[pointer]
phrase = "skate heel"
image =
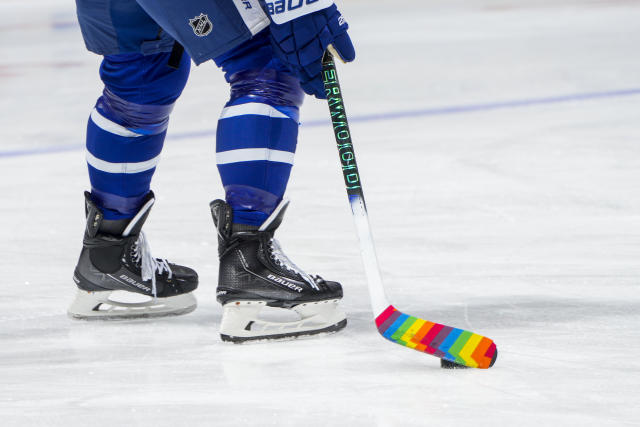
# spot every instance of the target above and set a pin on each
(241, 321)
(110, 305)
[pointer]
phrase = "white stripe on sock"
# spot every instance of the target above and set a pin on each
(105, 124)
(110, 167)
(253, 154)
(254, 108)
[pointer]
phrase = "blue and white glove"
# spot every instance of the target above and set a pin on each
(300, 35)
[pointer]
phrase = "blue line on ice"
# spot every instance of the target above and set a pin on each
(437, 111)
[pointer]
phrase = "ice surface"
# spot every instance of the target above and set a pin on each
(521, 223)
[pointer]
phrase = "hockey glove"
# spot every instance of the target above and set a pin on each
(301, 42)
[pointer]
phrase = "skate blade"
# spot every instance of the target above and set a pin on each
(102, 306)
(241, 322)
(286, 336)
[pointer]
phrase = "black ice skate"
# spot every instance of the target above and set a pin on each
(115, 257)
(255, 274)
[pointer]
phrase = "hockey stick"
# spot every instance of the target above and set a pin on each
(455, 347)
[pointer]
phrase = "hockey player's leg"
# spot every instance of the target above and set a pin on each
(125, 134)
(256, 141)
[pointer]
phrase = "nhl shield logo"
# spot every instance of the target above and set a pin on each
(201, 25)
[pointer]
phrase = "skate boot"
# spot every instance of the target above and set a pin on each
(115, 259)
(256, 276)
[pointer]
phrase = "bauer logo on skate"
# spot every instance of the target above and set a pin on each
(285, 282)
(135, 283)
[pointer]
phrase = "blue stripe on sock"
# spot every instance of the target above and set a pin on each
(249, 217)
(254, 131)
(117, 207)
(121, 149)
(250, 205)
(121, 184)
(267, 176)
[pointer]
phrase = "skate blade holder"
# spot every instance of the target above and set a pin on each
(127, 305)
(255, 320)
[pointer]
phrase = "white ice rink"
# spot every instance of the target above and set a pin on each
(499, 145)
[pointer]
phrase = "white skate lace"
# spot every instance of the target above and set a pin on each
(149, 264)
(279, 257)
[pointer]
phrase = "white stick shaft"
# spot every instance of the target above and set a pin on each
(368, 251)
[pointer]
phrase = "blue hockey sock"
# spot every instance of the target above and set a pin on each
(127, 127)
(257, 131)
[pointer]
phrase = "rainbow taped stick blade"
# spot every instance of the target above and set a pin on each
(451, 344)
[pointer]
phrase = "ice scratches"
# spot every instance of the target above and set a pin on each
(32, 316)
(522, 311)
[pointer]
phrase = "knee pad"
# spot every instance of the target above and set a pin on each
(140, 91)
(257, 75)
(271, 86)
